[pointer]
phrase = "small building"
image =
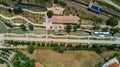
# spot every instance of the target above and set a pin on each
(112, 63)
(65, 20)
(59, 22)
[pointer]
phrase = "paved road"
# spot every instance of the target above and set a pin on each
(9, 62)
(81, 7)
(63, 40)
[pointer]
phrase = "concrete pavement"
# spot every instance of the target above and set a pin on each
(63, 40)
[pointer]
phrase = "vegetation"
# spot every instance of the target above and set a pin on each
(112, 21)
(77, 26)
(60, 2)
(30, 49)
(107, 5)
(1, 61)
(96, 27)
(113, 31)
(31, 27)
(23, 27)
(21, 60)
(115, 55)
(106, 29)
(9, 10)
(18, 10)
(3, 3)
(68, 28)
(116, 1)
(98, 48)
(49, 14)
(7, 23)
(82, 14)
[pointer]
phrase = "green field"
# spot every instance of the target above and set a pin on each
(3, 28)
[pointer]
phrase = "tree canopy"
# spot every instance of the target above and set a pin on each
(31, 27)
(18, 10)
(112, 21)
(68, 28)
(23, 27)
(49, 14)
(30, 49)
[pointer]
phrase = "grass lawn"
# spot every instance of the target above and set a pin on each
(117, 34)
(77, 33)
(67, 59)
(17, 31)
(3, 28)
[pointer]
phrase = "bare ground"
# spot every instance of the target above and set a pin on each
(67, 59)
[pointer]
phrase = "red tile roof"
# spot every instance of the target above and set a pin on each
(64, 19)
(114, 65)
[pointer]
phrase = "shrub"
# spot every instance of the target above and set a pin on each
(30, 49)
(49, 14)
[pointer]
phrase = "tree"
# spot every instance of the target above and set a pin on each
(68, 28)
(31, 27)
(3, 3)
(101, 50)
(1, 61)
(16, 63)
(20, 0)
(106, 29)
(18, 10)
(112, 21)
(96, 27)
(63, 3)
(56, 1)
(23, 27)
(9, 10)
(30, 49)
(114, 30)
(60, 49)
(76, 27)
(98, 20)
(49, 14)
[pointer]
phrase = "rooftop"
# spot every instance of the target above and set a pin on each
(114, 65)
(111, 62)
(65, 19)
